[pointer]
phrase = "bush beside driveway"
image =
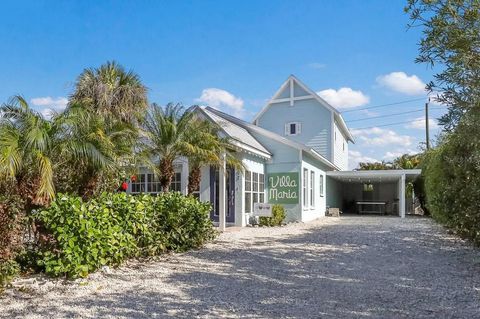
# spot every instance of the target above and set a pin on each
(351, 267)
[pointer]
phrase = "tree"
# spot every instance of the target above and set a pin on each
(95, 146)
(374, 166)
(166, 136)
(27, 142)
(206, 136)
(33, 149)
(113, 103)
(451, 39)
(407, 161)
(111, 91)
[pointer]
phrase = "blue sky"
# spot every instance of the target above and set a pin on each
(233, 55)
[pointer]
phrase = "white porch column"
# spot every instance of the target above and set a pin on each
(221, 194)
(184, 180)
(402, 196)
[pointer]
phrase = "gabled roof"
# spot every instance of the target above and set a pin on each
(259, 130)
(238, 135)
(293, 82)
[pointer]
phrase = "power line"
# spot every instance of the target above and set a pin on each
(381, 116)
(388, 115)
(382, 105)
(391, 124)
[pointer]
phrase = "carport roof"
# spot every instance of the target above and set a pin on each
(374, 175)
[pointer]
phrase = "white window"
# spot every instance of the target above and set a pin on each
(312, 189)
(176, 185)
(138, 185)
(153, 184)
(305, 184)
(254, 190)
(293, 128)
(149, 183)
(321, 185)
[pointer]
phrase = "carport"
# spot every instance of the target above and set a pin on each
(379, 191)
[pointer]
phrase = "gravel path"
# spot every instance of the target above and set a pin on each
(349, 267)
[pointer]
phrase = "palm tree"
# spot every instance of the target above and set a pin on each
(375, 166)
(94, 146)
(26, 146)
(166, 136)
(407, 161)
(112, 92)
(33, 149)
(206, 136)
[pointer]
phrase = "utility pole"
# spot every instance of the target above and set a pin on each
(427, 133)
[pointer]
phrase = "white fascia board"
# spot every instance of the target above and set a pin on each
(376, 173)
(250, 149)
(274, 97)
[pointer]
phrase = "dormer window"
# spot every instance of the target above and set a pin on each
(293, 128)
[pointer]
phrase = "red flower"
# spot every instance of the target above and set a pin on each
(124, 186)
(133, 178)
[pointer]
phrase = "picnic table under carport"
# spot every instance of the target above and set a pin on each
(372, 191)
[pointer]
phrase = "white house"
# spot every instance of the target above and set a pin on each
(295, 154)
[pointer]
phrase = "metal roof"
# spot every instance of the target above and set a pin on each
(237, 133)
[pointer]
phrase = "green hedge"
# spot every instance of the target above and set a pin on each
(277, 219)
(113, 227)
(452, 179)
(11, 220)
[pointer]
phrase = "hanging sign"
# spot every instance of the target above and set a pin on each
(283, 188)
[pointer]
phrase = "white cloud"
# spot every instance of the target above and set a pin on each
(223, 100)
(403, 83)
(419, 123)
(58, 103)
(380, 137)
(49, 105)
(393, 155)
(355, 157)
(317, 65)
(344, 98)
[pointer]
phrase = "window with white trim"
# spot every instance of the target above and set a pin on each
(138, 186)
(305, 184)
(293, 128)
(312, 189)
(254, 190)
(153, 184)
(176, 185)
(321, 188)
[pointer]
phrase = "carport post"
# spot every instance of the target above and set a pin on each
(402, 196)
(221, 194)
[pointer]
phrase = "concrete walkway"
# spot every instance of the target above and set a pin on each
(350, 267)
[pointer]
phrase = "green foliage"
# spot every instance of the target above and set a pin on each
(451, 38)
(8, 270)
(113, 227)
(277, 218)
(452, 175)
(11, 218)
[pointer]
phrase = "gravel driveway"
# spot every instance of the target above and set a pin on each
(348, 267)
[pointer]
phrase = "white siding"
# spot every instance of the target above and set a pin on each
(340, 149)
(318, 210)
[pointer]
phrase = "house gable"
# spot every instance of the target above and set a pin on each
(298, 113)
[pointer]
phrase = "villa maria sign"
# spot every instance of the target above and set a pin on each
(283, 188)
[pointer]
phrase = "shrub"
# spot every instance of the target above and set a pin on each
(11, 218)
(452, 175)
(113, 227)
(8, 270)
(277, 218)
